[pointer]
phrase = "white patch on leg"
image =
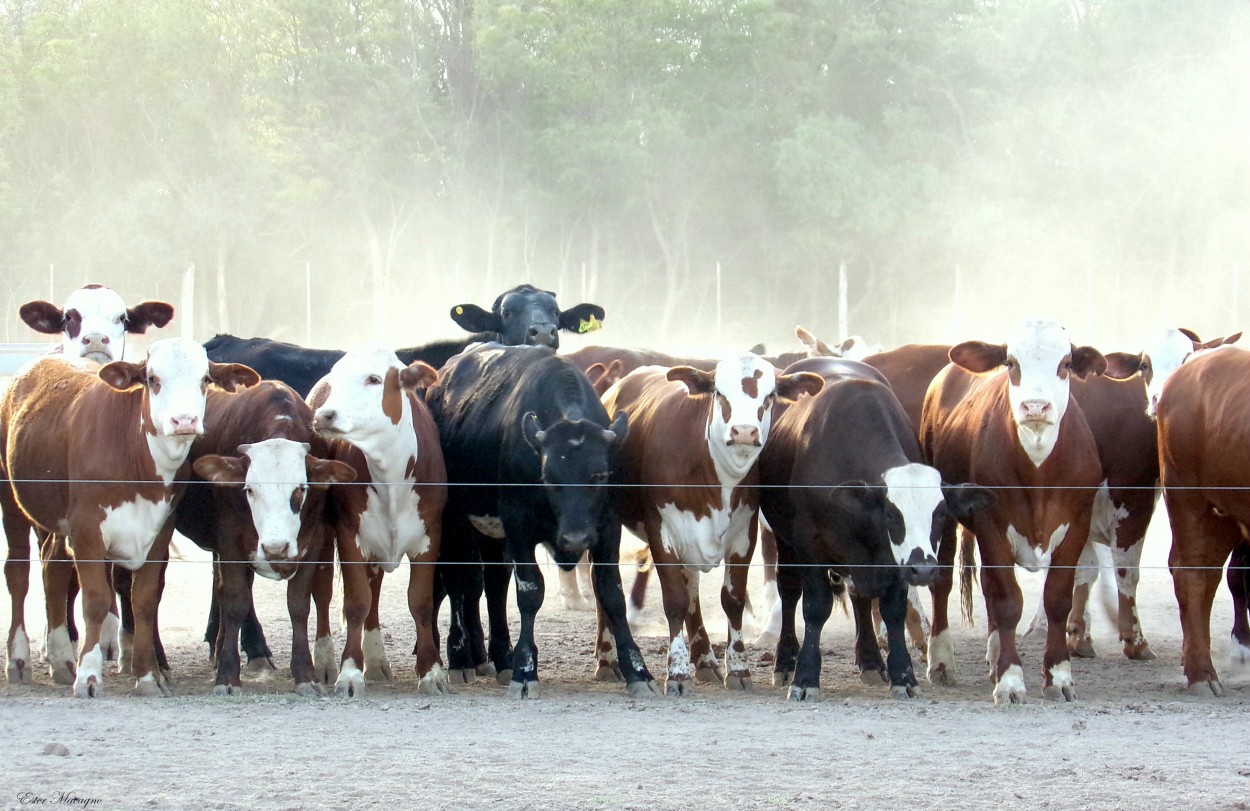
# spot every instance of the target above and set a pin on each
(351, 682)
(679, 666)
(771, 632)
(941, 657)
(1238, 654)
(570, 593)
(19, 658)
(90, 677)
(435, 682)
(377, 667)
(325, 670)
(1010, 688)
(992, 648)
(61, 656)
(110, 637)
(633, 615)
(1127, 561)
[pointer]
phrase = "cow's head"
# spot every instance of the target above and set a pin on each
(363, 398)
(94, 322)
(1040, 361)
(175, 376)
(910, 506)
(743, 390)
(526, 315)
(275, 476)
(1170, 349)
(576, 459)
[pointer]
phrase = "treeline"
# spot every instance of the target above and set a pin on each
(700, 168)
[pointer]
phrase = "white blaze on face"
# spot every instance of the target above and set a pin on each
(742, 413)
(916, 491)
(99, 330)
(354, 409)
(276, 485)
(1165, 356)
(1039, 387)
(177, 372)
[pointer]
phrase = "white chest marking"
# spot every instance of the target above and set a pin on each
(1106, 517)
(703, 543)
(1028, 555)
(391, 526)
(130, 529)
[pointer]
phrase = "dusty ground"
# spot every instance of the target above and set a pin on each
(1135, 739)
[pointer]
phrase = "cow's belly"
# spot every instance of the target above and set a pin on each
(702, 542)
(388, 532)
(129, 530)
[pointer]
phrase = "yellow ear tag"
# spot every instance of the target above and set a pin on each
(589, 326)
(459, 311)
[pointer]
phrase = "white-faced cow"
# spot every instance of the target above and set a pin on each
(94, 321)
(851, 503)
(370, 409)
(527, 428)
(1004, 416)
(693, 441)
(99, 458)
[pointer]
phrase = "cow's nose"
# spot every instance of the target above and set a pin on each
(542, 335)
(1035, 410)
(184, 425)
(574, 541)
(95, 337)
(744, 435)
(921, 573)
(279, 550)
(324, 418)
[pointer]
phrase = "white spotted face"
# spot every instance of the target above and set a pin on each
(1164, 357)
(276, 486)
(95, 325)
(914, 490)
(1039, 365)
(365, 403)
(177, 379)
(743, 412)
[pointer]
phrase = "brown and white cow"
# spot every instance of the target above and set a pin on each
(369, 408)
(99, 458)
(1004, 416)
(94, 321)
(1204, 422)
(693, 443)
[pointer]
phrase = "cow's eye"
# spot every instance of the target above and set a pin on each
(374, 380)
(247, 490)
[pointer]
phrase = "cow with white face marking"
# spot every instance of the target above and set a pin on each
(94, 321)
(1004, 416)
(100, 458)
(693, 442)
(370, 410)
(850, 502)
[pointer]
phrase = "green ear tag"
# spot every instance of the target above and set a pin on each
(589, 326)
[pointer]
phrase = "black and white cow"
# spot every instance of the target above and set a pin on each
(526, 426)
(849, 500)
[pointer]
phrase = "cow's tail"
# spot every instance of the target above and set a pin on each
(643, 560)
(967, 572)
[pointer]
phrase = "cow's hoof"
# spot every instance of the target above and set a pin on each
(261, 664)
(644, 689)
(706, 674)
(310, 689)
(461, 675)
(905, 692)
(679, 686)
(941, 675)
(18, 672)
(1207, 689)
(609, 673)
(350, 685)
(738, 681)
(151, 686)
(503, 677)
(325, 668)
(65, 673)
(523, 689)
(378, 671)
(575, 603)
(110, 638)
(485, 670)
(782, 678)
(88, 688)
(1082, 648)
(227, 690)
(1238, 654)
(809, 694)
(1010, 688)
(434, 683)
(1058, 692)
(873, 677)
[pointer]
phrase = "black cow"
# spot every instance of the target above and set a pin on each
(527, 426)
(522, 315)
(850, 503)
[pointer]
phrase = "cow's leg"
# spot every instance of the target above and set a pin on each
(17, 531)
(58, 574)
(1201, 542)
(605, 559)
(1004, 605)
(770, 632)
(529, 598)
(158, 647)
(571, 596)
(675, 589)
(789, 590)
(298, 603)
(496, 575)
(325, 667)
(1080, 642)
(251, 634)
(461, 572)
(150, 668)
(817, 604)
(917, 622)
(1238, 578)
(431, 675)
(733, 600)
(212, 630)
(638, 590)
(97, 597)
(868, 660)
(1126, 560)
(607, 661)
(233, 601)
(941, 644)
(894, 608)
(703, 658)
(377, 665)
(356, 599)
(121, 580)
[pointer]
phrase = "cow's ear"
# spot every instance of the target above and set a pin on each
(617, 431)
(1214, 342)
(1191, 335)
(534, 434)
(582, 318)
(122, 374)
(857, 497)
(816, 348)
(231, 376)
(696, 380)
(1086, 360)
(148, 314)
(473, 318)
(1123, 365)
(323, 472)
(319, 393)
(418, 375)
(965, 499)
(793, 386)
(221, 469)
(978, 356)
(43, 316)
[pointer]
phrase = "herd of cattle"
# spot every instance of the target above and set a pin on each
(864, 478)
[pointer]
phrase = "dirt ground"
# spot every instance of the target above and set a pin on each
(1135, 739)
